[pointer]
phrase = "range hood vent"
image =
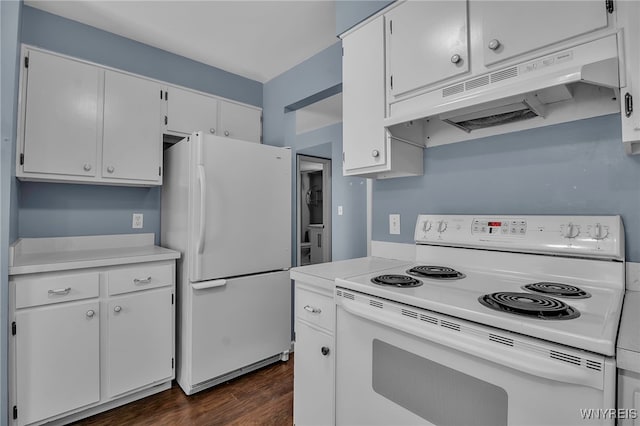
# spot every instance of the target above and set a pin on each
(501, 112)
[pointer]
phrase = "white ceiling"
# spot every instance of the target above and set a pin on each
(255, 39)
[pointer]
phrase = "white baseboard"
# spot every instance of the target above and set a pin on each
(389, 250)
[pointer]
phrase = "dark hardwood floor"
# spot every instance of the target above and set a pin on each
(263, 397)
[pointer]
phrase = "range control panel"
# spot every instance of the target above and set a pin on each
(589, 236)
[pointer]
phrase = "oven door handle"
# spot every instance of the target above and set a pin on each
(531, 363)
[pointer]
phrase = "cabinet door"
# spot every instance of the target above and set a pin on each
(313, 377)
(427, 43)
(139, 349)
(57, 359)
(240, 122)
(189, 112)
(363, 134)
(514, 28)
(132, 144)
(61, 116)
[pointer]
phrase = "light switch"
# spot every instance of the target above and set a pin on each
(394, 224)
(339, 210)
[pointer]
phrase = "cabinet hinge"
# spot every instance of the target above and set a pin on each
(390, 26)
(26, 62)
(159, 170)
(22, 159)
(343, 51)
(166, 120)
(628, 105)
(172, 299)
(166, 95)
(15, 412)
(161, 92)
(342, 157)
(391, 82)
(172, 362)
(609, 5)
(13, 328)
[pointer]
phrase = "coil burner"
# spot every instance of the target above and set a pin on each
(396, 280)
(435, 272)
(530, 305)
(557, 290)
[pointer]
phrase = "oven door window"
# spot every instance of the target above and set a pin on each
(434, 391)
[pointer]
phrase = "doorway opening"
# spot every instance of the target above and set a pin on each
(314, 210)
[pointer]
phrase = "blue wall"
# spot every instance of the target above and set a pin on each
(576, 168)
(315, 75)
(10, 13)
(47, 210)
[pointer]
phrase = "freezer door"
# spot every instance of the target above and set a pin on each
(241, 208)
(237, 322)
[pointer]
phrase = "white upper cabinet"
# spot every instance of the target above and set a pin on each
(240, 122)
(131, 147)
(427, 42)
(512, 28)
(62, 100)
(189, 112)
(83, 123)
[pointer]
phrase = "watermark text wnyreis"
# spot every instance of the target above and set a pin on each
(608, 413)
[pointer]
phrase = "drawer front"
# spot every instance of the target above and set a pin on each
(48, 289)
(315, 308)
(140, 277)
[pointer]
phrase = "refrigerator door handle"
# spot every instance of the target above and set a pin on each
(208, 284)
(203, 207)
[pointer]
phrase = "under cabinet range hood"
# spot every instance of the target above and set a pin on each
(566, 85)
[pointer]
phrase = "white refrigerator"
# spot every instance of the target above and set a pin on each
(226, 205)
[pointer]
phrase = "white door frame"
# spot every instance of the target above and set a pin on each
(326, 206)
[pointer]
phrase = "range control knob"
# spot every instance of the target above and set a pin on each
(599, 232)
(570, 230)
(426, 225)
(442, 226)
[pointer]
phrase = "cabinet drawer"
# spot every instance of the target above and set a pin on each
(56, 288)
(140, 277)
(315, 308)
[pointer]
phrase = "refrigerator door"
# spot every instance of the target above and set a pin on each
(241, 208)
(237, 323)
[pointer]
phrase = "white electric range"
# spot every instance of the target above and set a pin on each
(501, 320)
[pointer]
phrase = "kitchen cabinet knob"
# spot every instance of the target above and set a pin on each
(87, 167)
(90, 313)
(494, 44)
(212, 130)
(117, 308)
(455, 59)
(110, 169)
(375, 153)
(226, 133)
(325, 351)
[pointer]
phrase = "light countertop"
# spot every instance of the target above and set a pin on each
(34, 255)
(628, 351)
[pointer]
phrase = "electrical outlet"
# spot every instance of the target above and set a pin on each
(394, 224)
(137, 220)
(339, 210)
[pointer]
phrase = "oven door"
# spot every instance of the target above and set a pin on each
(404, 366)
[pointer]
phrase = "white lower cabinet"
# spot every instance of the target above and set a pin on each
(139, 340)
(313, 377)
(58, 362)
(82, 339)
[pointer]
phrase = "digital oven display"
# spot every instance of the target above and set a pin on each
(494, 224)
